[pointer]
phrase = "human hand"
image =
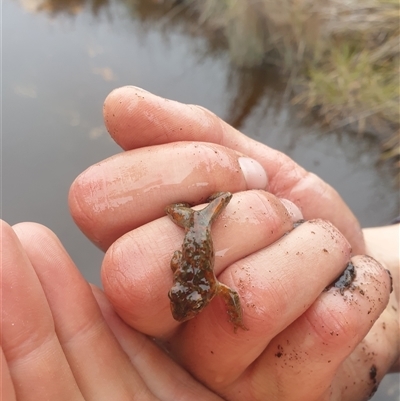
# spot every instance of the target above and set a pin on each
(293, 327)
(137, 119)
(58, 344)
(383, 244)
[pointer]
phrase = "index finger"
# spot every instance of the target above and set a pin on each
(136, 118)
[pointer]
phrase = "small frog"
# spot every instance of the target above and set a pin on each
(195, 284)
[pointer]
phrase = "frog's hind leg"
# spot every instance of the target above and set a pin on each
(218, 203)
(232, 300)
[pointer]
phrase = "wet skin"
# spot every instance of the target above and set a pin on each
(195, 284)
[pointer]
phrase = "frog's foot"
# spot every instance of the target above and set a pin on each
(176, 208)
(181, 204)
(217, 195)
(180, 213)
(232, 300)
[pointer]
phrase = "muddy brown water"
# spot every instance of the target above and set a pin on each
(59, 66)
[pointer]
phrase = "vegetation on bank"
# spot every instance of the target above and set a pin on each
(341, 57)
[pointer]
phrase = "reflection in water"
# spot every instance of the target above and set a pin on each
(52, 121)
(249, 88)
(246, 86)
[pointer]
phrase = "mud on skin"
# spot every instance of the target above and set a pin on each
(345, 280)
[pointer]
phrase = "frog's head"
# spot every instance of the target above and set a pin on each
(186, 302)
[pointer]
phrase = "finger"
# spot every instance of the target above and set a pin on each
(373, 357)
(383, 244)
(152, 362)
(136, 272)
(277, 285)
(308, 354)
(100, 367)
(7, 387)
(133, 188)
(34, 356)
(136, 118)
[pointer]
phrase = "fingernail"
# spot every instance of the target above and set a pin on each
(254, 173)
(292, 209)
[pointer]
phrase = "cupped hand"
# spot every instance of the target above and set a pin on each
(58, 344)
(302, 343)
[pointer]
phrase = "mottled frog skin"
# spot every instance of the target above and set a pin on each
(195, 284)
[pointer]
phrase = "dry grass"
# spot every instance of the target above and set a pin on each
(342, 56)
